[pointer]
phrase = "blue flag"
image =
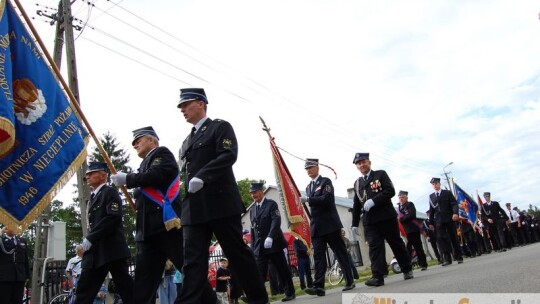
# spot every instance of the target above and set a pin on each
(42, 141)
(470, 207)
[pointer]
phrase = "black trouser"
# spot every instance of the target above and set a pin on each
(152, 253)
(513, 229)
(497, 234)
(11, 292)
(304, 269)
(228, 232)
(469, 237)
(447, 238)
(337, 245)
(282, 269)
(353, 268)
(433, 242)
(375, 235)
(91, 279)
(414, 241)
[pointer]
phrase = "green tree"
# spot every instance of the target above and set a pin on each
(119, 158)
(243, 186)
(533, 210)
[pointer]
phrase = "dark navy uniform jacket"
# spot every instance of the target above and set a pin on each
(158, 169)
(210, 155)
(106, 231)
(443, 208)
(493, 211)
(266, 224)
(408, 218)
(324, 215)
(380, 189)
(14, 266)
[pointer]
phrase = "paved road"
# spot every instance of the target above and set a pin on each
(514, 271)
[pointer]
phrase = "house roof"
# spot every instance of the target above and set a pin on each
(344, 202)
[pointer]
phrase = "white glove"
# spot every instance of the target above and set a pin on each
(368, 205)
(86, 244)
(354, 230)
(119, 179)
(268, 242)
(304, 199)
(195, 184)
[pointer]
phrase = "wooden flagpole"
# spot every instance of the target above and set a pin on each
(73, 100)
(265, 128)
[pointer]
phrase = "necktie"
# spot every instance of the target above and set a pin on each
(511, 217)
(312, 187)
(257, 209)
(192, 133)
(365, 178)
(437, 194)
(92, 196)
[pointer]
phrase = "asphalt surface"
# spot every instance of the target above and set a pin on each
(513, 271)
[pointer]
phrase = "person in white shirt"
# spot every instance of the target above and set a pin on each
(73, 268)
(515, 224)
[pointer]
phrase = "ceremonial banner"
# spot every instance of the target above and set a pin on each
(480, 202)
(42, 141)
(469, 205)
(290, 198)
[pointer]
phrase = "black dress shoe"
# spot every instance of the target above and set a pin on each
(460, 261)
(374, 282)
(288, 298)
(446, 263)
(349, 287)
(423, 268)
(314, 291)
(408, 275)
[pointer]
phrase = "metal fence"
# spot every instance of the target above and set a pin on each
(56, 282)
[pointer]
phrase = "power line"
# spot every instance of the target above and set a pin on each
(385, 155)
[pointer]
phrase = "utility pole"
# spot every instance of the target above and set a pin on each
(64, 32)
(446, 175)
(83, 190)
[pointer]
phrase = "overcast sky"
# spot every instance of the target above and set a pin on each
(418, 84)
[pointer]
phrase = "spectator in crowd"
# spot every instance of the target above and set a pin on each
(211, 275)
(304, 265)
(101, 295)
(348, 245)
(223, 277)
(73, 268)
(167, 288)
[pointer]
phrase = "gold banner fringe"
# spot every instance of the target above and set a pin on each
(20, 226)
(294, 220)
(298, 236)
(9, 128)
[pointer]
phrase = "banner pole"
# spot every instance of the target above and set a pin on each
(73, 100)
